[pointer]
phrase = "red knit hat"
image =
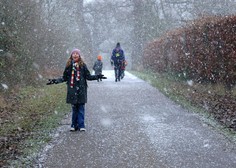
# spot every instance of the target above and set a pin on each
(100, 57)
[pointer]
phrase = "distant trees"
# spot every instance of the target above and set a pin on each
(35, 36)
(38, 35)
(151, 18)
(17, 41)
(109, 22)
(65, 20)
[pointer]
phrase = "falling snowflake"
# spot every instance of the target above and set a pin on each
(4, 86)
(106, 122)
(190, 82)
(36, 65)
(40, 76)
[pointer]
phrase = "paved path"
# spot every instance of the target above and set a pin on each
(130, 124)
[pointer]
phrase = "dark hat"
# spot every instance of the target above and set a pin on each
(118, 44)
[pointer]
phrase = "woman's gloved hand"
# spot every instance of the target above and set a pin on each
(101, 76)
(52, 81)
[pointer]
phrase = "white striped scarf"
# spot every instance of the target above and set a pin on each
(75, 67)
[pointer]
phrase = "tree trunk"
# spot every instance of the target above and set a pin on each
(86, 47)
(137, 51)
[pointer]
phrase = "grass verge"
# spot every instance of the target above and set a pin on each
(34, 115)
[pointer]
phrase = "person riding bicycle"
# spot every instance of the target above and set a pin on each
(117, 58)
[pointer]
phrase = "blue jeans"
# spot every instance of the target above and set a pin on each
(78, 116)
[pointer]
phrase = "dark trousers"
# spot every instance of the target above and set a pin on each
(117, 69)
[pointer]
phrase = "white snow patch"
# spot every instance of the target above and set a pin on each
(133, 77)
(148, 118)
(110, 74)
(106, 122)
(4, 86)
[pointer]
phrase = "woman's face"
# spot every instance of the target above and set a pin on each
(75, 56)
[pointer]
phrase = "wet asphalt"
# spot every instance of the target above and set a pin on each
(130, 124)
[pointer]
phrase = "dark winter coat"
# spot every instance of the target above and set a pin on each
(77, 94)
(117, 56)
(97, 67)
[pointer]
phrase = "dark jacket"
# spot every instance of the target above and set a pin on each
(77, 94)
(117, 56)
(97, 67)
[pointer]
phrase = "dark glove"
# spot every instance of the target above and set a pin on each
(52, 81)
(112, 63)
(101, 76)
